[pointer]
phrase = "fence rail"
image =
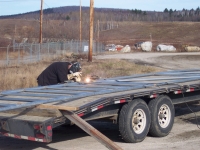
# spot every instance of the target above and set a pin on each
(23, 53)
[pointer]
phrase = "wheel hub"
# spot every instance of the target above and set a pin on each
(161, 116)
(139, 121)
(164, 116)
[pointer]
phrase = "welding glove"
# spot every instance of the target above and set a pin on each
(77, 79)
(75, 75)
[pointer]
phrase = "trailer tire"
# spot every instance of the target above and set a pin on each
(162, 116)
(134, 121)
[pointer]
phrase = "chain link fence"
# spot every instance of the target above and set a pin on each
(24, 53)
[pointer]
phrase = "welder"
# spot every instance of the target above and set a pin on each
(60, 72)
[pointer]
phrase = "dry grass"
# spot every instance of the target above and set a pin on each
(12, 55)
(24, 76)
(175, 33)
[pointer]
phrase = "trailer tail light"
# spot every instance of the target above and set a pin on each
(49, 128)
(37, 127)
(43, 131)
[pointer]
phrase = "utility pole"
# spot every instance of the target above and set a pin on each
(91, 30)
(41, 19)
(80, 28)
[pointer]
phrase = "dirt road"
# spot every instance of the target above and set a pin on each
(166, 61)
(184, 135)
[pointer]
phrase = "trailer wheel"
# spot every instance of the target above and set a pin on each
(134, 121)
(162, 116)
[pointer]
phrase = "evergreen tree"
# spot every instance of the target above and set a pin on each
(170, 12)
(67, 18)
(166, 10)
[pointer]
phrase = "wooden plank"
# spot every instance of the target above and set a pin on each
(91, 130)
(24, 117)
(35, 112)
(59, 107)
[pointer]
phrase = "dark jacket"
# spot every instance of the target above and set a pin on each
(54, 74)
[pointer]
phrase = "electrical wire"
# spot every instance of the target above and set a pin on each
(197, 122)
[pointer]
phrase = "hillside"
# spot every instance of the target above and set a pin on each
(176, 33)
(111, 14)
(118, 26)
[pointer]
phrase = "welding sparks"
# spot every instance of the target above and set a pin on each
(87, 80)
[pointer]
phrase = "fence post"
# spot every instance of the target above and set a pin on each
(48, 49)
(13, 45)
(77, 46)
(31, 51)
(71, 46)
(19, 54)
(7, 54)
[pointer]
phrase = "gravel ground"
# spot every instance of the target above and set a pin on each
(184, 135)
(166, 61)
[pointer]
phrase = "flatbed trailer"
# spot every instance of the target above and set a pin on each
(140, 104)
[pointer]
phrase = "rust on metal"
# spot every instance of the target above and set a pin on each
(91, 130)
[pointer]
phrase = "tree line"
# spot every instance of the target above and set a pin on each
(110, 14)
(63, 22)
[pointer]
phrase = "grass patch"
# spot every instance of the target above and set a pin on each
(24, 76)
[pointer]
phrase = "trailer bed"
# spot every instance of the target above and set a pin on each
(76, 96)
(41, 108)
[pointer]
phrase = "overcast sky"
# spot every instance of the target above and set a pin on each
(9, 7)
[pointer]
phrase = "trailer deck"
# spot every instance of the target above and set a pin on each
(77, 95)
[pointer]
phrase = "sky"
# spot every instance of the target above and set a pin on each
(10, 7)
